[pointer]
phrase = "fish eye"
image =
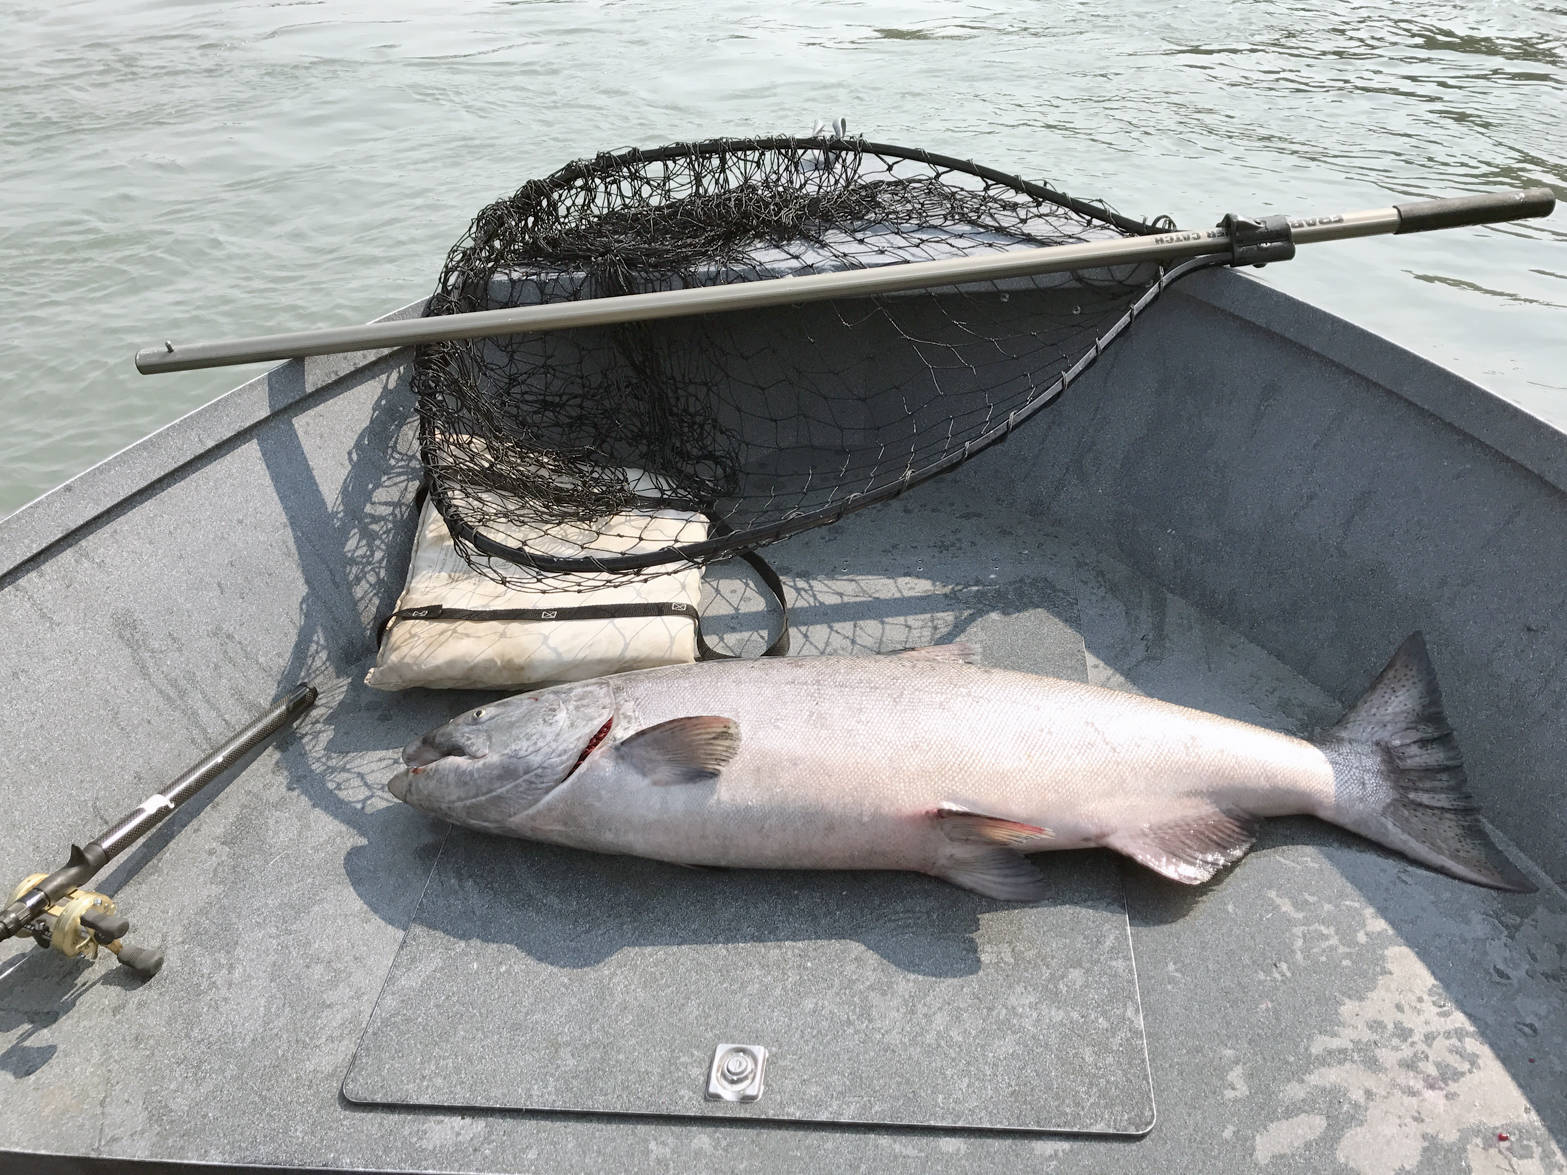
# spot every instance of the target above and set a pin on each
(478, 714)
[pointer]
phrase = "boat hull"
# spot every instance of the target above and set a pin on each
(1249, 502)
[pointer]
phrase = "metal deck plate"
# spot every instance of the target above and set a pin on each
(534, 977)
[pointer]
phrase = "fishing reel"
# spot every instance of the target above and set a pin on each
(61, 915)
(82, 921)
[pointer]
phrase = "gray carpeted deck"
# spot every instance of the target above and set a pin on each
(1323, 1006)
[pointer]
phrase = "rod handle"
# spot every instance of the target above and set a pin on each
(1487, 208)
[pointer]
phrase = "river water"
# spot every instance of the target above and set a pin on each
(170, 168)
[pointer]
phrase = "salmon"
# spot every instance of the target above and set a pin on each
(924, 761)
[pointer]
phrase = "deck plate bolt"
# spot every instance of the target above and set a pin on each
(736, 1073)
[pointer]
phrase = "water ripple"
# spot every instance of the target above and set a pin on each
(170, 167)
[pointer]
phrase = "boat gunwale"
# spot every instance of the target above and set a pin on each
(52, 518)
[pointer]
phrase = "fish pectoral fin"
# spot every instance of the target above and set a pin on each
(682, 750)
(984, 853)
(1191, 847)
(964, 825)
(958, 652)
(995, 872)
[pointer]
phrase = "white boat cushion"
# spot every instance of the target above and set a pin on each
(504, 654)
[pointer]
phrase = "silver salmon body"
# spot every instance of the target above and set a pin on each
(924, 762)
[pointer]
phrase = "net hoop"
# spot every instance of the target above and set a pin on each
(458, 486)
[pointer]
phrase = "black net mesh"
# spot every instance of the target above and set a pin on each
(576, 457)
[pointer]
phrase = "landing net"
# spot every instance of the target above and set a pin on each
(568, 458)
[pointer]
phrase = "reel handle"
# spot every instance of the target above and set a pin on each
(145, 961)
(107, 927)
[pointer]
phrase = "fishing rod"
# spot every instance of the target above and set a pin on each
(59, 914)
(1238, 240)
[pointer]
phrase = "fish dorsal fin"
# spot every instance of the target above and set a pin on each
(984, 853)
(682, 750)
(1191, 847)
(958, 653)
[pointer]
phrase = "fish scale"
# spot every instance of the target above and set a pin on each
(842, 761)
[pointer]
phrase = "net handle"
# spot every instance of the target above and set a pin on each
(1231, 238)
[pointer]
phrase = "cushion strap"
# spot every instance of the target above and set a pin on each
(780, 643)
(705, 652)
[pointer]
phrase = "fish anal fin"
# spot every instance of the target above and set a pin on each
(682, 750)
(959, 652)
(995, 872)
(1191, 847)
(963, 825)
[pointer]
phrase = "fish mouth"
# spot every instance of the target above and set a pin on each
(418, 758)
(398, 785)
(423, 753)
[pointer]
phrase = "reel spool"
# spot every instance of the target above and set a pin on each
(81, 922)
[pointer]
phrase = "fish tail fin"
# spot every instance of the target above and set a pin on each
(1398, 776)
